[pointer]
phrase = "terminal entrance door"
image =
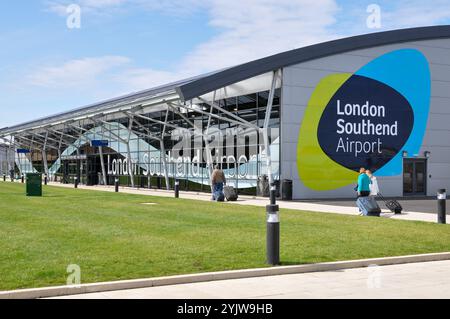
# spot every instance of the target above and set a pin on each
(414, 177)
(92, 170)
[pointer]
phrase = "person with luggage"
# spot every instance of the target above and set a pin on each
(218, 180)
(363, 188)
(367, 204)
(374, 189)
(393, 205)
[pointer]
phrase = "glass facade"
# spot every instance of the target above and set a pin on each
(191, 139)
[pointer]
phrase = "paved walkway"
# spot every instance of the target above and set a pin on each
(347, 208)
(416, 280)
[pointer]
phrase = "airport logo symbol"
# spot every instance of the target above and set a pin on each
(366, 119)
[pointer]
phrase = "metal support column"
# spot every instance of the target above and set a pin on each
(130, 162)
(44, 156)
(265, 129)
(102, 163)
(163, 152)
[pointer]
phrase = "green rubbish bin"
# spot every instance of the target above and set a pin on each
(34, 184)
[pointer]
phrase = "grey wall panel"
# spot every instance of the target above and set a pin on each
(441, 105)
(436, 54)
(436, 138)
(438, 154)
(432, 43)
(296, 95)
(290, 152)
(435, 183)
(293, 113)
(439, 121)
(303, 77)
(440, 88)
(439, 170)
(338, 63)
(300, 80)
(439, 72)
(290, 133)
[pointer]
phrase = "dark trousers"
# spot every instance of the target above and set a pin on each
(364, 194)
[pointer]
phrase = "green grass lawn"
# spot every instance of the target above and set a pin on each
(114, 237)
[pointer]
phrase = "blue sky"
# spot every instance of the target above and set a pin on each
(129, 45)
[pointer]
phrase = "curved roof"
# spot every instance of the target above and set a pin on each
(244, 71)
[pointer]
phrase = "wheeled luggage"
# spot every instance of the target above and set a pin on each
(393, 205)
(368, 206)
(230, 193)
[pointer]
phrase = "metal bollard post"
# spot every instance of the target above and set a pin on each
(45, 180)
(273, 234)
(4, 177)
(177, 189)
(76, 182)
(116, 185)
(273, 194)
(441, 198)
(23, 179)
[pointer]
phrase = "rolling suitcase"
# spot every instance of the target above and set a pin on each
(368, 206)
(230, 193)
(393, 205)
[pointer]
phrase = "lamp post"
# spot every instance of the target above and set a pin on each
(273, 234)
(116, 185)
(177, 189)
(441, 198)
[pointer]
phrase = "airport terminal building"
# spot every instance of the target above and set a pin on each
(313, 116)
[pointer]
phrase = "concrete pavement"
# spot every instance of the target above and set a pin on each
(417, 280)
(339, 207)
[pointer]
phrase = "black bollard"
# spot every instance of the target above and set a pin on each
(177, 189)
(116, 185)
(273, 235)
(273, 194)
(76, 182)
(4, 177)
(23, 179)
(441, 198)
(45, 180)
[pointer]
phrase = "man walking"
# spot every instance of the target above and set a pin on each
(363, 183)
(218, 180)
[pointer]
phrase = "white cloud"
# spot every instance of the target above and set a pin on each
(261, 28)
(136, 79)
(75, 73)
(415, 13)
(246, 30)
(88, 6)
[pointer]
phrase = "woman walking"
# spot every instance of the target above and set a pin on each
(374, 189)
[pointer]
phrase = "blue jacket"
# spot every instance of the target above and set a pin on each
(363, 183)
